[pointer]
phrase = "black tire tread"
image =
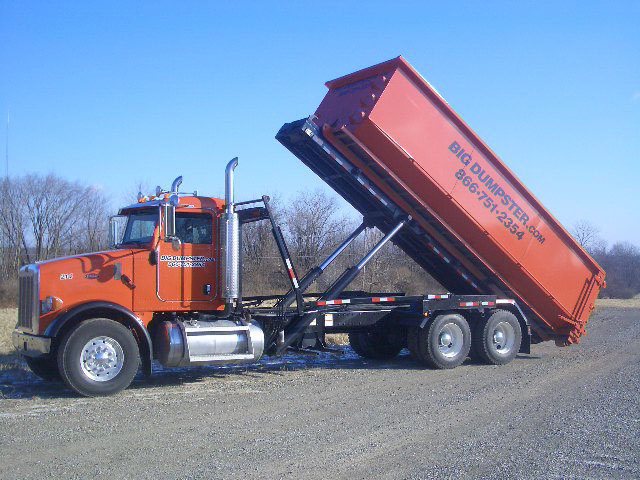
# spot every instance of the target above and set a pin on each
(71, 374)
(44, 367)
(481, 348)
(374, 344)
(427, 355)
(412, 344)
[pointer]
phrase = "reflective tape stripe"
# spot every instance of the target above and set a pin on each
(477, 304)
(322, 303)
(383, 299)
(437, 297)
(292, 275)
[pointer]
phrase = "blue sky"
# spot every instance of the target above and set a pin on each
(113, 93)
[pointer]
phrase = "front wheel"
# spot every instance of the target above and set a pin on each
(44, 367)
(98, 357)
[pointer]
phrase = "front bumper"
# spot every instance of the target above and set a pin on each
(31, 345)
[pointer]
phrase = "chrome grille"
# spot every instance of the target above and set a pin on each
(28, 305)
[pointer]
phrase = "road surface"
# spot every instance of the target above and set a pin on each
(558, 413)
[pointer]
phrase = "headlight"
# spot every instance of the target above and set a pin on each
(50, 304)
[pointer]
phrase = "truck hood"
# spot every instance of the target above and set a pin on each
(101, 276)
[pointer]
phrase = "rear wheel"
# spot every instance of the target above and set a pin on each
(44, 367)
(444, 343)
(98, 357)
(496, 340)
(377, 344)
(412, 343)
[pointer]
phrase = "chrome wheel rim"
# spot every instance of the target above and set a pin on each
(503, 338)
(101, 359)
(450, 340)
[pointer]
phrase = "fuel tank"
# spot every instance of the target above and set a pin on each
(196, 342)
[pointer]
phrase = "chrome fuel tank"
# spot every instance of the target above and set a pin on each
(179, 343)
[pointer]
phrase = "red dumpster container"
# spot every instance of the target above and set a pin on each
(405, 138)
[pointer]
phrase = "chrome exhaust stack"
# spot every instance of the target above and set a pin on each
(176, 184)
(230, 235)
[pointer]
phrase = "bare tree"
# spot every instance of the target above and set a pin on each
(313, 226)
(45, 217)
(587, 234)
(263, 272)
(622, 264)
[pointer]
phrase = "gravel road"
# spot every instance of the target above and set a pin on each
(558, 413)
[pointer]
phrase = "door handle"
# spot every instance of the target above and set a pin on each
(117, 271)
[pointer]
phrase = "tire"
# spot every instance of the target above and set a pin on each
(443, 343)
(98, 357)
(377, 344)
(44, 367)
(412, 343)
(497, 339)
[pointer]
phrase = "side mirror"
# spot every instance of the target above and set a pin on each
(169, 222)
(113, 233)
(169, 226)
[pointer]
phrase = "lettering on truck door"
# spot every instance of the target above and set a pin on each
(188, 274)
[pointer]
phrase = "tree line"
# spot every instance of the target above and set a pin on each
(43, 217)
(621, 261)
(313, 226)
(46, 216)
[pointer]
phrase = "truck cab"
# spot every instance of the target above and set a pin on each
(181, 269)
(163, 270)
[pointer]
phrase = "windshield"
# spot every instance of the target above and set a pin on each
(140, 227)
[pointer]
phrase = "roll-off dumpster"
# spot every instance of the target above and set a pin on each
(477, 228)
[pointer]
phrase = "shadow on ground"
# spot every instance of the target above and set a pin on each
(17, 381)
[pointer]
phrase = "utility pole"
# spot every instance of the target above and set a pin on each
(6, 151)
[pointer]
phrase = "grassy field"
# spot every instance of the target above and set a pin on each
(618, 303)
(9, 360)
(8, 318)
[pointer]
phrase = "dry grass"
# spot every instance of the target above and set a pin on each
(618, 303)
(8, 319)
(337, 339)
(9, 359)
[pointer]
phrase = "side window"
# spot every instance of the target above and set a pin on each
(194, 228)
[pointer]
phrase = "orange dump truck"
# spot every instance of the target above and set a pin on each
(169, 291)
(477, 228)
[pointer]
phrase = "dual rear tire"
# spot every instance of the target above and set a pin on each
(496, 339)
(447, 340)
(443, 343)
(377, 344)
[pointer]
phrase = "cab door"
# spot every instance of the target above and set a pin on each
(188, 274)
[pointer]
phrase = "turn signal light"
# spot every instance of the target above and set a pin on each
(50, 304)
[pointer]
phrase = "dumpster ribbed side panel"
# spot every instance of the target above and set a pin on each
(412, 135)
